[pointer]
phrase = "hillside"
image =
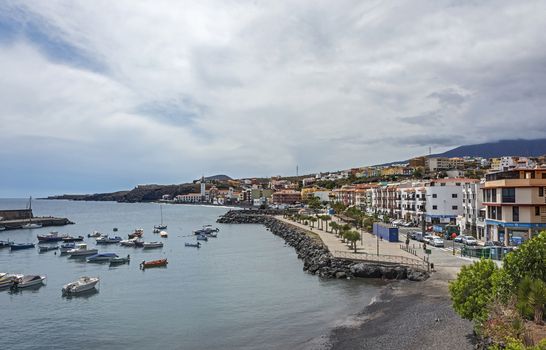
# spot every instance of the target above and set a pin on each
(530, 148)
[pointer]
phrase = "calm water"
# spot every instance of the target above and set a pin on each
(243, 290)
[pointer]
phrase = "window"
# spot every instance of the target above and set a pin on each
(541, 191)
(457, 184)
(434, 207)
(434, 195)
(509, 195)
(454, 195)
(494, 195)
(515, 213)
(454, 207)
(537, 211)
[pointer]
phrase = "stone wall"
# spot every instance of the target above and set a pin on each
(316, 258)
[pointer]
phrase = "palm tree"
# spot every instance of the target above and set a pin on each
(335, 226)
(352, 237)
(326, 218)
(312, 219)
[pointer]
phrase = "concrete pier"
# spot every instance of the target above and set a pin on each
(16, 219)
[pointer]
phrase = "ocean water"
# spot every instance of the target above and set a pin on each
(243, 290)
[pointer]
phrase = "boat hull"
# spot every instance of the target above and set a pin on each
(154, 263)
(83, 253)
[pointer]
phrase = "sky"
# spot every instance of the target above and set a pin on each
(98, 96)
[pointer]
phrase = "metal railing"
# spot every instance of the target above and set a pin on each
(384, 259)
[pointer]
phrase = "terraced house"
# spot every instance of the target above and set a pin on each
(515, 202)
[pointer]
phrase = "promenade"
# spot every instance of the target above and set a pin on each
(367, 249)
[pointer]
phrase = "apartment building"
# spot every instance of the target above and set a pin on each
(441, 163)
(286, 197)
(444, 200)
(413, 200)
(515, 204)
(472, 221)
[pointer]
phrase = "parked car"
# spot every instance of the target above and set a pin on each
(428, 238)
(407, 224)
(469, 240)
(458, 239)
(437, 242)
(493, 244)
(414, 234)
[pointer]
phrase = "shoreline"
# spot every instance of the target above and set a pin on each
(406, 315)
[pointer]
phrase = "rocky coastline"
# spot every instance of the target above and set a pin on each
(316, 258)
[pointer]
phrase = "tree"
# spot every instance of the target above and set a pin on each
(353, 237)
(312, 219)
(314, 203)
(326, 218)
(471, 292)
(335, 227)
(532, 298)
(528, 260)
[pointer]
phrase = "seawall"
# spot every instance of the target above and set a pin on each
(316, 258)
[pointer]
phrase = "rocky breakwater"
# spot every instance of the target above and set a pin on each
(316, 258)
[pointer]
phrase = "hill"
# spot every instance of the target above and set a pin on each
(530, 148)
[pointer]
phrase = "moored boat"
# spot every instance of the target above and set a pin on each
(66, 247)
(150, 245)
(163, 234)
(202, 238)
(28, 281)
(50, 237)
(120, 260)
(81, 285)
(139, 243)
(46, 248)
(95, 234)
(153, 263)
(20, 246)
(195, 245)
(108, 240)
(128, 242)
(72, 239)
(2, 228)
(7, 280)
(5, 244)
(82, 250)
(102, 257)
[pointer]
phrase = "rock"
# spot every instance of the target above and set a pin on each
(341, 274)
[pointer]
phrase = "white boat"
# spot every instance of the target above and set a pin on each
(164, 234)
(161, 226)
(66, 247)
(28, 281)
(81, 285)
(108, 240)
(82, 250)
(149, 245)
(95, 234)
(30, 223)
(128, 242)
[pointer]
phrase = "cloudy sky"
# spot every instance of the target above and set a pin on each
(103, 95)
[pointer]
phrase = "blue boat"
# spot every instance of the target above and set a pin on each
(46, 248)
(5, 244)
(19, 246)
(202, 238)
(102, 257)
(194, 245)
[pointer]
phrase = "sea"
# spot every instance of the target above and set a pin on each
(244, 289)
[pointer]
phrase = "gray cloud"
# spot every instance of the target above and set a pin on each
(252, 88)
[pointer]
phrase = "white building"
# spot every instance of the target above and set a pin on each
(444, 200)
(472, 221)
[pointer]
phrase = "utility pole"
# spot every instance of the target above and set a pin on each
(297, 170)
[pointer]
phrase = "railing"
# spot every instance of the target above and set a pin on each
(384, 259)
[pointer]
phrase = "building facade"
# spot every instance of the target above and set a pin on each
(515, 204)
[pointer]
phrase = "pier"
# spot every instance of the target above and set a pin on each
(17, 218)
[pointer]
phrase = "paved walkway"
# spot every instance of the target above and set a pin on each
(367, 249)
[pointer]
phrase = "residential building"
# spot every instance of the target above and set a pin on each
(472, 221)
(442, 163)
(444, 200)
(286, 197)
(516, 204)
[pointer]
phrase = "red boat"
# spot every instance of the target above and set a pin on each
(153, 263)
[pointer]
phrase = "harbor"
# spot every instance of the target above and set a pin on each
(14, 219)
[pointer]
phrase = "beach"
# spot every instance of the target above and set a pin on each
(407, 315)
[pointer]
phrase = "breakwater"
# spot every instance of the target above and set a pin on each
(44, 221)
(316, 257)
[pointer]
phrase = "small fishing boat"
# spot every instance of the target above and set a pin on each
(20, 246)
(115, 229)
(119, 260)
(153, 263)
(109, 240)
(66, 247)
(72, 239)
(82, 250)
(46, 248)
(161, 226)
(95, 234)
(128, 242)
(202, 238)
(5, 244)
(206, 230)
(102, 257)
(163, 234)
(81, 285)
(50, 237)
(150, 245)
(32, 225)
(28, 281)
(156, 230)
(195, 245)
